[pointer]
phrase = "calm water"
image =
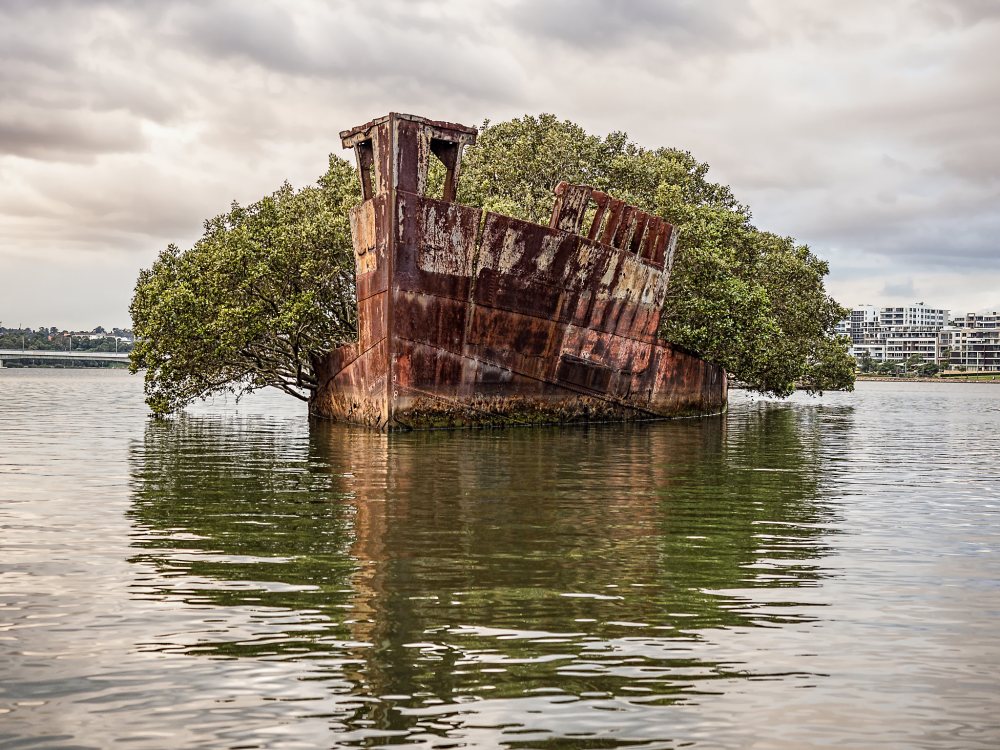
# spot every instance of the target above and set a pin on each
(814, 573)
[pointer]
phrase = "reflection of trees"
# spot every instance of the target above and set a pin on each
(490, 563)
(231, 513)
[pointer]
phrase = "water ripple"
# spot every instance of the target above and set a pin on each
(815, 572)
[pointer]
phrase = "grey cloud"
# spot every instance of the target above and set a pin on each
(964, 13)
(977, 161)
(71, 136)
(95, 63)
(685, 25)
(28, 49)
(929, 245)
(900, 289)
(264, 35)
(378, 45)
(120, 207)
(942, 230)
(866, 130)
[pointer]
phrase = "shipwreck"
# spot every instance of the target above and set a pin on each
(469, 318)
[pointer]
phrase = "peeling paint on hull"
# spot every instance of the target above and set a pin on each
(471, 319)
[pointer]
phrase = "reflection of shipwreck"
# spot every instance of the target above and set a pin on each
(466, 319)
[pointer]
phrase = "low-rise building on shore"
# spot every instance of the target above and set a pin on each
(895, 334)
(968, 342)
(971, 342)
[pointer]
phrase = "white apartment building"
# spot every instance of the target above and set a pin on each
(902, 342)
(863, 322)
(917, 315)
(980, 319)
(875, 351)
(894, 334)
(972, 342)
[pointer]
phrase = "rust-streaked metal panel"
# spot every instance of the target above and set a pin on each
(356, 392)
(524, 267)
(442, 239)
(371, 249)
(438, 321)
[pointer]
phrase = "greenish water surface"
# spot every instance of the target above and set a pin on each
(812, 573)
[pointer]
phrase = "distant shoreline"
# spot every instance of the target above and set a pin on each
(995, 379)
(80, 364)
(887, 379)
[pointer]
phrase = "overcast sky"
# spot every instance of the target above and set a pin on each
(870, 131)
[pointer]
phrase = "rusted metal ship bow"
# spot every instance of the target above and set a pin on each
(472, 319)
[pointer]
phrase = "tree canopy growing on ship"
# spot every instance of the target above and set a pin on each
(267, 286)
(270, 286)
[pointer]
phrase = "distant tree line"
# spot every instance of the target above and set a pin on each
(913, 366)
(50, 338)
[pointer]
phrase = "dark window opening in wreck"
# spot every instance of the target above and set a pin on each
(589, 215)
(442, 182)
(592, 219)
(366, 166)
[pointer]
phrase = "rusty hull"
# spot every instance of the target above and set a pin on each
(469, 318)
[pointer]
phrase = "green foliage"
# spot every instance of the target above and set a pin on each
(268, 287)
(928, 370)
(749, 300)
(865, 362)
